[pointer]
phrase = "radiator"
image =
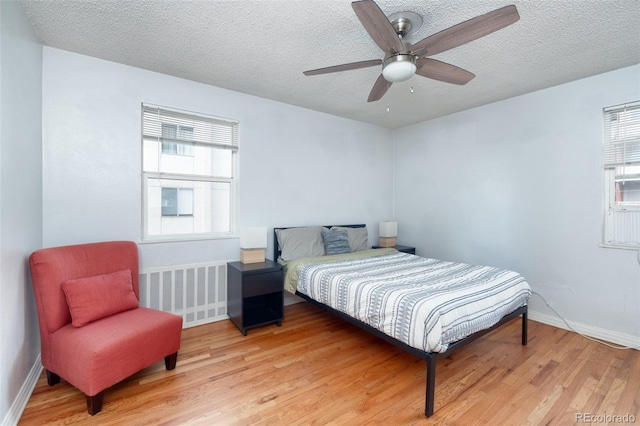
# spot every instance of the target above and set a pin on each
(196, 292)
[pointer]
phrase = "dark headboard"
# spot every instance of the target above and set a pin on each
(276, 246)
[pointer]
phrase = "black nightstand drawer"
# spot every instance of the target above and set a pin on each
(255, 285)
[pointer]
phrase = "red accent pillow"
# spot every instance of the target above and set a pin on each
(100, 296)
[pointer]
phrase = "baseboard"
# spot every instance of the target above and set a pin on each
(588, 330)
(16, 409)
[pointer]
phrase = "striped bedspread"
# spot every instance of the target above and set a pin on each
(425, 303)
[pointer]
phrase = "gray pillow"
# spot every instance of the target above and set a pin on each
(300, 242)
(358, 237)
(336, 242)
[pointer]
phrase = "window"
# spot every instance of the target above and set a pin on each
(622, 171)
(189, 168)
(177, 202)
(175, 132)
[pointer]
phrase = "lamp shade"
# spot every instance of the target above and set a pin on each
(388, 229)
(253, 237)
(396, 72)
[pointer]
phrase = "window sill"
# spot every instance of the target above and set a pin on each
(619, 246)
(185, 238)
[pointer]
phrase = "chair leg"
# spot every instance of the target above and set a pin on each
(52, 378)
(170, 361)
(94, 403)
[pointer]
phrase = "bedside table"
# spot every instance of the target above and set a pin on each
(404, 249)
(255, 294)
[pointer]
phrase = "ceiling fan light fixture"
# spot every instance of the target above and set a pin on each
(399, 68)
(404, 59)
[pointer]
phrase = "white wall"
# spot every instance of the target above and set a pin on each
(297, 167)
(20, 199)
(519, 184)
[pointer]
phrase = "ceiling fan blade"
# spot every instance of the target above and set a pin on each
(467, 31)
(442, 71)
(345, 67)
(377, 25)
(379, 89)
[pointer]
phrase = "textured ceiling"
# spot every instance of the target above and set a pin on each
(261, 47)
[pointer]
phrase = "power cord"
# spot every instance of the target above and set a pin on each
(581, 334)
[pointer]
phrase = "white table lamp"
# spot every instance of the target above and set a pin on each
(253, 241)
(387, 232)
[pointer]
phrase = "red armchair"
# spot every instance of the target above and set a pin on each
(93, 333)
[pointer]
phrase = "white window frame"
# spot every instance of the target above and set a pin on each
(622, 150)
(231, 144)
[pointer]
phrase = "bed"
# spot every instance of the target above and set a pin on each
(427, 307)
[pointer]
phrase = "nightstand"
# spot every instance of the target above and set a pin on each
(255, 294)
(404, 249)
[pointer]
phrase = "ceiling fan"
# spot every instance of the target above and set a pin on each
(402, 59)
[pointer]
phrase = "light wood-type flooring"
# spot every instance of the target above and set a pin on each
(318, 369)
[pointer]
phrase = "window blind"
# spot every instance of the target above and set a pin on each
(622, 135)
(209, 131)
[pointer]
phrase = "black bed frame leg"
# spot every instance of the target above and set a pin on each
(431, 387)
(524, 327)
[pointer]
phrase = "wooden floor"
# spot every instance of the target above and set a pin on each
(318, 369)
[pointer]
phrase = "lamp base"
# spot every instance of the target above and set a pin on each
(251, 255)
(387, 241)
